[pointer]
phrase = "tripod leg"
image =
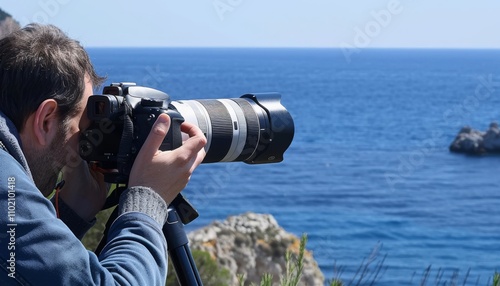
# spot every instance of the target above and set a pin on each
(178, 249)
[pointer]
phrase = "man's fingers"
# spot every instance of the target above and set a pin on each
(190, 129)
(196, 139)
(155, 137)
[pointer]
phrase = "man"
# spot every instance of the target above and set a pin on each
(45, 81)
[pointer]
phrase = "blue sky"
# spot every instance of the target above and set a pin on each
(275, 23)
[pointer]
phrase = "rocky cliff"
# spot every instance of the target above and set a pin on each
(253, 244)
(7, 24)
(473, 141)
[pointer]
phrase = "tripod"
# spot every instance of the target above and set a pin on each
(180, 212)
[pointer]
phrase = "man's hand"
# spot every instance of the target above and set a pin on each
(167, 172)
(84, 190)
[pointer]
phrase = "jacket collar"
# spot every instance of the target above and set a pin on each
(11, 140)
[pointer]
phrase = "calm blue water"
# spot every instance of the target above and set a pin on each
(369, 165)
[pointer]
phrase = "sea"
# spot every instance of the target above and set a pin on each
(369, 176)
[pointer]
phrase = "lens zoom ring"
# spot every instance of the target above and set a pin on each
(222, 130)
(253, 129)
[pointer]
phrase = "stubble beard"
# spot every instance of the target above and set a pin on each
(46, 164)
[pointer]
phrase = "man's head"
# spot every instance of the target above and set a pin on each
(45, 80)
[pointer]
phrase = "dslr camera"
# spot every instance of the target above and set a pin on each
(254, 128)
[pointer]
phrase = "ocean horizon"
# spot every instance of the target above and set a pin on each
(292, 48)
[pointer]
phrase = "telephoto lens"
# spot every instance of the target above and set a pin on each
(255, 128)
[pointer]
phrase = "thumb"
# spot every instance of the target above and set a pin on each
(155, 138)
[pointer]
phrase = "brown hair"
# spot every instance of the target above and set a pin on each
(40, 62)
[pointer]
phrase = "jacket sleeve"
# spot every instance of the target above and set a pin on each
(36, 248)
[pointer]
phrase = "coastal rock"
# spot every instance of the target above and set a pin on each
(253, 244)
(472, 141)
(7, 24)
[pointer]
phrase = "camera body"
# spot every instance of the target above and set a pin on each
(121, 119)
(254, 128)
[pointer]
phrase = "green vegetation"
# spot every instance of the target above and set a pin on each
(294, 265)
(368, 273)
(210, 272)
(426, 278)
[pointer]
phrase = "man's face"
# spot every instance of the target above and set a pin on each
(46, 164)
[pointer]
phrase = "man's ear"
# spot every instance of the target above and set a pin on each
(46, 122)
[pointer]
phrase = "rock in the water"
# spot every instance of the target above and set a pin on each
(472, 141)
(491, 139)
(253, 244)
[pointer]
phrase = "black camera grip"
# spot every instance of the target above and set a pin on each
(173, 139)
